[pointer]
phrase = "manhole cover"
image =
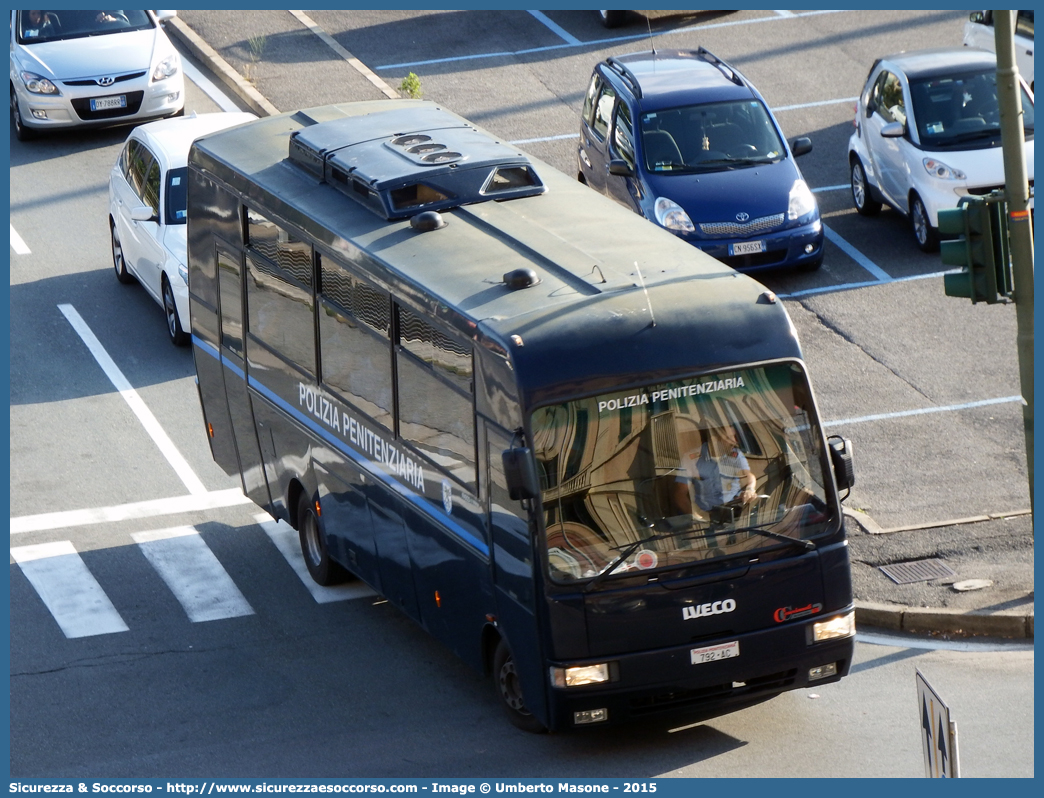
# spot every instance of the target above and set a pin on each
(904, 573)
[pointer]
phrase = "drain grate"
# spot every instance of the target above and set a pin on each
(904, 573)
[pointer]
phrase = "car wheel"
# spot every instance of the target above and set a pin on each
(323, 570)
(861, 196)
(118, 262)
(510, 691)
(926, 235)
(170, 308)
(612, 19)
(22, 133)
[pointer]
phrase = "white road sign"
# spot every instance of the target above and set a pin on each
(938, 733)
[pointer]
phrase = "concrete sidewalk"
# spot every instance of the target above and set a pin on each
(996, 549)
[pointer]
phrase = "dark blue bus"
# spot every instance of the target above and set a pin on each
(582, 454)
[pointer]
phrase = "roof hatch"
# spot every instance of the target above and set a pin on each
(404, 161)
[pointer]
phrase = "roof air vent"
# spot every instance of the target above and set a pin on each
(520, 278)
(427, 220)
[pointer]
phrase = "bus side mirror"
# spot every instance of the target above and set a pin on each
(841, 460)
(520, 472)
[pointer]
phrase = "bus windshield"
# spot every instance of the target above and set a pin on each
(666, 475)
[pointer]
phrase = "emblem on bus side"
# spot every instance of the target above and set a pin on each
(447, 496)
(712, 608)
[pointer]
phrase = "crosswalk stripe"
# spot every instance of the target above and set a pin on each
(285, 539)
(68, 589)
(194, 575)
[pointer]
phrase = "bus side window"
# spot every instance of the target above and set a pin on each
(280, 313)
(230, 288)
(436, 404)
(355, 340)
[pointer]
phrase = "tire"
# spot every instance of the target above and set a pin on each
(322, 569)
(926, 235)
(178, 336)
(612, 19)
(505, 680)
(22, 132)
(118, 261)
(861, 197)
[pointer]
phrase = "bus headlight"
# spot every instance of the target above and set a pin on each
(579, 675)
(840, 626)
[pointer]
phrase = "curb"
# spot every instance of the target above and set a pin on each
(966, 623)
(235, 82)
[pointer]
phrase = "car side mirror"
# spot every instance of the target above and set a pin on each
(620, 168)
(521, 474)
(977, 17)
(893, 130)
(801, 146)
(143, 213)
(841, 461)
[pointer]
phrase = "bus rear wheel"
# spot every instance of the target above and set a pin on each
(510, 691)
(323, 570)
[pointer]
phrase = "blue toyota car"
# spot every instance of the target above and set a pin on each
(685, 140)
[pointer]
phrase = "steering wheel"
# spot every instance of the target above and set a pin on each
(742, 150)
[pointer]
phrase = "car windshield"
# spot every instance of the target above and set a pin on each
(710, 137)
(667, 475)
(177, 195)
(34, 27)
(961, 111)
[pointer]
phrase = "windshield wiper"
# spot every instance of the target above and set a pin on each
(632, 548)
(759, 529)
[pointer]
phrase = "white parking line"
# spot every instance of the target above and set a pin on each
(830, 289)
(152, 508)
(17, 244)
(557, 29)
(194, 575)
(69, 591)
(137, 406)
(286, 540)
(611, 40)
(903, 413)
(208, 87)
(856, 255)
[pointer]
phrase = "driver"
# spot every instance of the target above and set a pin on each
(717, 474)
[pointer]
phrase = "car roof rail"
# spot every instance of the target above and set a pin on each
(626, 74)
(724, 68)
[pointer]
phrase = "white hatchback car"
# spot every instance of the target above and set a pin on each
(147, 210)
(79, 68)
(927, 132)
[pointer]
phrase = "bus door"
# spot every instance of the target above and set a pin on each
(230, 291)
(393, 553)
(513, 569)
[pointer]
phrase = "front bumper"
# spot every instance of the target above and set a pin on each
(666, 682)
(793, 246)
(71, 109)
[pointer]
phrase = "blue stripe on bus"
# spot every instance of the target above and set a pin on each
(421, 503)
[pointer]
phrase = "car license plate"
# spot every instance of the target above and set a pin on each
(715, 653)
(746, 247)
(105, 103)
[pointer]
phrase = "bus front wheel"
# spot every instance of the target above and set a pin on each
(510, 691)
(313, 545)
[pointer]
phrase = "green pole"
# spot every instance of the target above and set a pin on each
(1020, 225)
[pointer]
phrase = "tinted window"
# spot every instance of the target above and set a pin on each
(1024, 26)
(623, 134)
(603, 111)
(139, 159)
(177, 196)
(280, 312)
(355, 348)
(888, 97)
(436, 407)
(230, 286)
(150, 193)
(280, 246)
(589, 99)
(963, 110)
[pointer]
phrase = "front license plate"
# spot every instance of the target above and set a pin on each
(746, 248)
(715, 653)
(105, 103)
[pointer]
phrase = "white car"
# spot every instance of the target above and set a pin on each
(979, 32)
(147, 202)
(79, 68)
(927, 132)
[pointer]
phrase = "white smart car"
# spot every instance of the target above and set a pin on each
(90, 68)
(927, 132)
(147, 201)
